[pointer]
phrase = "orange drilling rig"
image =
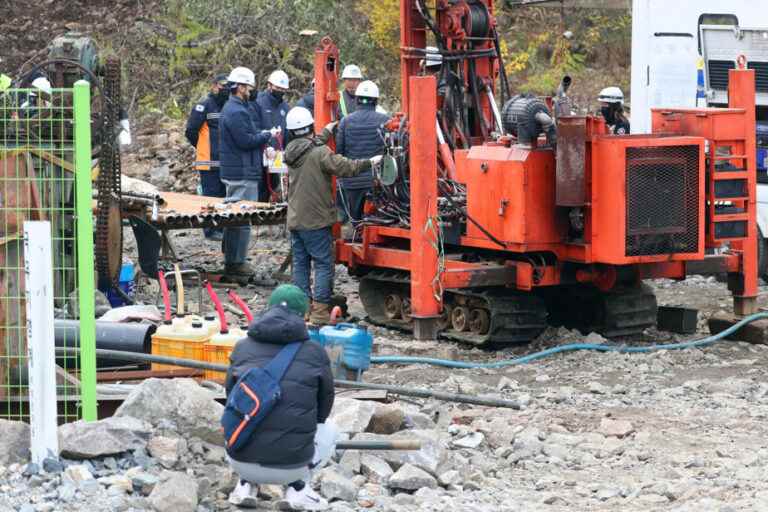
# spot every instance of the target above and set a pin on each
(503, 220)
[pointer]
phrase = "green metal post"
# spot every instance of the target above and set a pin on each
(85, 271)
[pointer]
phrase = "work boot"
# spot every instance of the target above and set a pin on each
(239, 269)
(320, 314)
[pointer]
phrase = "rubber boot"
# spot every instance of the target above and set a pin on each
(320, 314)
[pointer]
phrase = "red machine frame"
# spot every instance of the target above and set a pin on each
(511, 191)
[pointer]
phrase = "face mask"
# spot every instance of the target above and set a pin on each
(278, 95)
(252, 95)
(608, 114)
(222, 96)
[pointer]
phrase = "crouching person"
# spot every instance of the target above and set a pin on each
(288, 437)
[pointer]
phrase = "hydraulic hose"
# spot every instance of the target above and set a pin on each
(166, 295)
(241, 304)
(219, 308)
(622, 349)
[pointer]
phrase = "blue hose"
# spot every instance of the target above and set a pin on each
(570, 348)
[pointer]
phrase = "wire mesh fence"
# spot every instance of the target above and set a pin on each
(45, 174)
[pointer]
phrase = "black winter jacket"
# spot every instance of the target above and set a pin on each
(285, 438)
(273, 114)
(358, 138)
(242, 141)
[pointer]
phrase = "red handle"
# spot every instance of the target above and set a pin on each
(219, 307)
(166, 295)
(241, 304)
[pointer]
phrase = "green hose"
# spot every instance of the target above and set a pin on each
(703, 342)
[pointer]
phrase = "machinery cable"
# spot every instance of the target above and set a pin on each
(621, 349)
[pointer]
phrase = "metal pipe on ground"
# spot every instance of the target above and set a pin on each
(398, 390)
(401, 444)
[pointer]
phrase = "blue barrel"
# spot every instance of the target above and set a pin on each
(357, 343)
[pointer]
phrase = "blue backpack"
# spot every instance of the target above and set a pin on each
(253, 397)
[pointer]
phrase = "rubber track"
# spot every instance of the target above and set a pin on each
(628, 312)
(515, 317)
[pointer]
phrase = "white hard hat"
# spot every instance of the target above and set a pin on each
(611, 95)
(279, 78)
(367, 89)
(298, 118)
(433, 57)
(42, 84)
(241, 75)
(351, 71)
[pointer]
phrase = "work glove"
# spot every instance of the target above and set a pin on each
(376, 160)
(275, 131)
(331, 127)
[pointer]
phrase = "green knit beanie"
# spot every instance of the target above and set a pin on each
(290, 296)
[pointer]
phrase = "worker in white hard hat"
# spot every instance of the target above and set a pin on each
(351, 77)
(241, 149)
(311, 165)
(38, 97)
(432, 61)
(274, 108)
(612, 108)
(359, 137)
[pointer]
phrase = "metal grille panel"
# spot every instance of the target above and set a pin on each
(662, 209)
(718, 73)
(761, 75)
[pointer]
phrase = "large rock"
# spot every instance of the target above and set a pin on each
(177, 493)
(110, 436)
(376, 470)
(183, 402)
(386, 419)
(334, 486)
(166, 450)
(352, 416)
(433, 453)
(14, 442)
(615, 428)
(411, 478)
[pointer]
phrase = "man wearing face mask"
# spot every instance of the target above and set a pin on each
(612, 108)
(273, 111)
(242, 148)
(203, 133)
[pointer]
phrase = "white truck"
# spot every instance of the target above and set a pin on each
(669, 39)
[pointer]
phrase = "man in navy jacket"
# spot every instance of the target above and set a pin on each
(241, 154)
(359, 138)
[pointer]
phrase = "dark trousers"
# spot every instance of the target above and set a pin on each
(313, 247)
(212, 186)
(350, 204)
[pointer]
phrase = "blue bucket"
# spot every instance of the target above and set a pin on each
(357, 343)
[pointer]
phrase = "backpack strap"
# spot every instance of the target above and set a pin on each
(279, 365)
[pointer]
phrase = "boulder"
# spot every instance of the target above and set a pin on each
(110, 436)
(433, 453)
(386, 419)
(352, 416)
(190, 407)
(14, 442)
(176, 493)
(615, 428)
(411, 478)
(166, 450)
(376, 470)
(334, 486)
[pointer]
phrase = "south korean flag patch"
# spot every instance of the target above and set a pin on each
(199, 108)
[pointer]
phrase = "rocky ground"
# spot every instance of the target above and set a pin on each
(678, 431)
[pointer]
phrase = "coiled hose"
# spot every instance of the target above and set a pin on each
(703, 342)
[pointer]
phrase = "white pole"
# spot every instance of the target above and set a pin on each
(41, 352)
